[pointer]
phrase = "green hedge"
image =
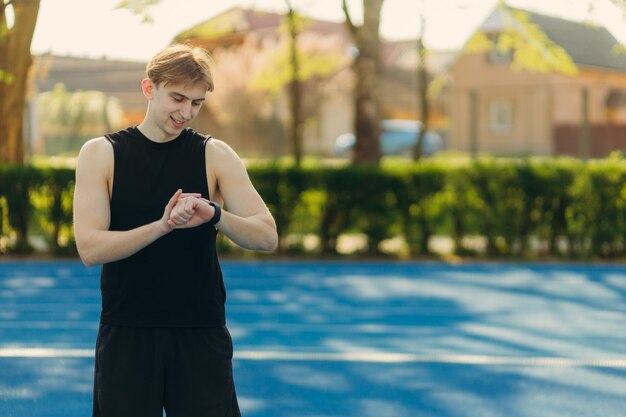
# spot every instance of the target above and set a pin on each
(521, 208)
(36, 198)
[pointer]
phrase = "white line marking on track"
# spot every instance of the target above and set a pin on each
(18, 352)
(370, 357)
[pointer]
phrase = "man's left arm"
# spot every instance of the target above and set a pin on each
(246, 219)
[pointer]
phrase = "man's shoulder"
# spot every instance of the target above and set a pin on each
(95, 144)
(218, 148)
(222, 157)
(95, 149)
(105, 141)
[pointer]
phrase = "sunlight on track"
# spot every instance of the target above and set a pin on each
(373, 357)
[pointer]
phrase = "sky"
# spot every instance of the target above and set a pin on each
(95, 29)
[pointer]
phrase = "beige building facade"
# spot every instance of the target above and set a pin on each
(496, 109)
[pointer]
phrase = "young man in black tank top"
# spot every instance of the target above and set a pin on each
(147, 207)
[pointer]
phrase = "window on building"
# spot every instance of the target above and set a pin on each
(501, 115)
(615, 106)
(495, 55)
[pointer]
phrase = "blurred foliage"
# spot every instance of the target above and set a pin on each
(531, 49)
(69, 119)
(523, 208)
(6, 77)
(53, 200)
(139, 7)
(213, 28)
(33, 198)
(16, 184)
(277, 73)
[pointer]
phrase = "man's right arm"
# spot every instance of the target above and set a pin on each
(96, 244)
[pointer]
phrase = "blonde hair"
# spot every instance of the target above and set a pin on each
(181, 63)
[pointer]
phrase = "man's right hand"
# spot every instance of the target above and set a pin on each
(166, 227)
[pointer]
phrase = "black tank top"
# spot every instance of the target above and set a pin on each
(176, 280)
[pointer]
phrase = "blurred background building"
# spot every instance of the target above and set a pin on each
(479, 100)
(499, 109)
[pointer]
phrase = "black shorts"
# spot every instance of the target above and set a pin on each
(141, 370)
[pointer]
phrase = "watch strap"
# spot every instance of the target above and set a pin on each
(218, 214)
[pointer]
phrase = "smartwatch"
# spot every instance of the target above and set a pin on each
(218, 214)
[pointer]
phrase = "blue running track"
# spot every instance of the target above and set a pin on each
(353, 339)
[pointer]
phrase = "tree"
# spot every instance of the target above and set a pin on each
(366, 68)
(295, 90)
(17, 25)
(422, 88)
(318, 56)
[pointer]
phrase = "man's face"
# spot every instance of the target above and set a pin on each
(174, 106)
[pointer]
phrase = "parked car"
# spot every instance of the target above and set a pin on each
(397, 137)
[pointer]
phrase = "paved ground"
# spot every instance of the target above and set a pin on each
(353, 339)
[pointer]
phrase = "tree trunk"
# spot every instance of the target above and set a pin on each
(422, 92)
(15, 62)
(295, 89)
(367, 71)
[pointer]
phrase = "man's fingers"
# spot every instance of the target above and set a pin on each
(181, 208)
(190, 205)
(174, 198)
(170, 204)
(179, 194)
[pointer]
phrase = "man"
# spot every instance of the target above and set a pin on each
(147, 206)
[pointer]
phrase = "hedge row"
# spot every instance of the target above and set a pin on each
(36, 198)
(534, 207)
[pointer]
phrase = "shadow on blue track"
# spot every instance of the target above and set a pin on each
(62, 387)
(430, 310)
(416, 390)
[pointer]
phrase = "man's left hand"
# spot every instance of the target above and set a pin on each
(190, 212)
